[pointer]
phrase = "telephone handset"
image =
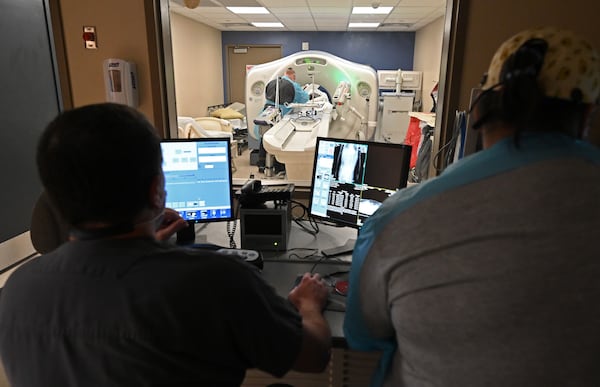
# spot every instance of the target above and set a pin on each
(252, 186)
(254, 192)
(120, 81)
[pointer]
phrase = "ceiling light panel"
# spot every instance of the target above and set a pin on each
(363, 25)
(248, 10)
(267, 24)
(368, 18)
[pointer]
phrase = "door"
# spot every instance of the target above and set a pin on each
(237, 59)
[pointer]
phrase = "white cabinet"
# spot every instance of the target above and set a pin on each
(394, 117)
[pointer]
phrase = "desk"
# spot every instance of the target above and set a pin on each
(282, 267)
(328, 236)
(346, 367)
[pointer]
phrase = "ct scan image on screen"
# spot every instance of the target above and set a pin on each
(352, 178)
(198, 178)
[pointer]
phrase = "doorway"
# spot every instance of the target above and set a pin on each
(238, 58)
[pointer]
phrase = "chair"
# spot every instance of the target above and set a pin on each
(214, 124)
(48, 229)
(181, 132)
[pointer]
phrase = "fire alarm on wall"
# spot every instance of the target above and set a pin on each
(89, 37)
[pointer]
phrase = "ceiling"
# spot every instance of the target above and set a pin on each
(313, 15)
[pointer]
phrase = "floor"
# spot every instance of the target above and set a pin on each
(243, 169)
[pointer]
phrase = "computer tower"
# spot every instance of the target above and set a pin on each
(266, 227)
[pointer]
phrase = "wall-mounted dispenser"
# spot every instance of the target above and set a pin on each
(120, 82)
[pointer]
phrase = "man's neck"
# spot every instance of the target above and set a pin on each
(495, 133)
(99, 230)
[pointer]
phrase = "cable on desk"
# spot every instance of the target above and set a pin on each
(231, 228)
(313, 253)
(328, 223)
(314, 229)
(201, 227)
(314, 266)
(335, 273)
(323, 258)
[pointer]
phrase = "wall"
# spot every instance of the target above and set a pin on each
(480, 28)
(197, 64)
(483, 33)
(428, 54)
(121, 31)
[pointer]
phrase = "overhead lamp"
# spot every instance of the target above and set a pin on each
(363, 25)
(191, 4)
(248, 10)
(371, 10)
(268, 24)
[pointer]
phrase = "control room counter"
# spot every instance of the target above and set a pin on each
(303, 255)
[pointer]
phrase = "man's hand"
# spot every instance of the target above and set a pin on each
(310, 293)
(171, 223)
(310, 297)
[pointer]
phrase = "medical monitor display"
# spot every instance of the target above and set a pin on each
(198, 178)
(352, 178)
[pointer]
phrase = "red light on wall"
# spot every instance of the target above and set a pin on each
(89, 37)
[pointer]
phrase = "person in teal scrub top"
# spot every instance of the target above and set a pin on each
(487, 275)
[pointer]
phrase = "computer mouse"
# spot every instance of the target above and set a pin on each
(341, 287)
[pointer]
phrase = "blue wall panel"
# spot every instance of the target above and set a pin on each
(381, 50)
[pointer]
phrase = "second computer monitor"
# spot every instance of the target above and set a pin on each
(198, 178)
(352, 178)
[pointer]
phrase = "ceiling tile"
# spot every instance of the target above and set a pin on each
(283, 4)
(314, 15)
(330, 3)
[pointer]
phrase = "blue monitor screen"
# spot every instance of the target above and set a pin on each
(198, 178)
(352, 178)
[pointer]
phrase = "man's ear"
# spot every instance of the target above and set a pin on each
(157, 192)
(591, 125)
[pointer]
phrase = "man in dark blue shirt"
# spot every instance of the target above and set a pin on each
(116, 307)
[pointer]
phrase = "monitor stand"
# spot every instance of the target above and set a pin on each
(347, 248)
(186, 236)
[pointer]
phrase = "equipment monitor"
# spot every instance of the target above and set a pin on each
(198, 178)
(352, 178)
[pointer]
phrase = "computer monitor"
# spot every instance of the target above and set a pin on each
(352, 178)
(198, 178)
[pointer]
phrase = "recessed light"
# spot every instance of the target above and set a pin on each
(363, 25)
(371, 10)
(267, 24)
(248, 10)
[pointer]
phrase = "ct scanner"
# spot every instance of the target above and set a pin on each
(351, 113)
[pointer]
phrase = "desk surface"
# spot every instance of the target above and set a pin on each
(282, 267)
(301, 243)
